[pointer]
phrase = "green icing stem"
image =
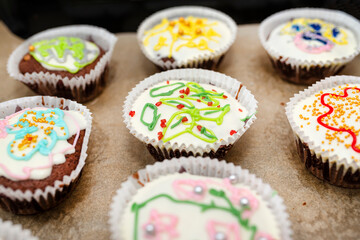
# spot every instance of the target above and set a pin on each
(204, 207)
(168, 93)
(247, 118)
(156, 117)
(60, 45)
(177, 123)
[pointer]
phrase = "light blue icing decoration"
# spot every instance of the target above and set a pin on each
(43, 146)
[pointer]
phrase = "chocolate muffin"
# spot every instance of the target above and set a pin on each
(40, 148)
(64, 62)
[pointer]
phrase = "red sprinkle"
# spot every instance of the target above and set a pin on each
(198, 100)
(167, 82)
(203, 97)
(240, 110)
(160, 135)
(213, 90)
(187, 91)
(180, 106)
(224, 96)
(232, 132)
(199, 127)
(182, 96)
(163, 125)
(163, 120)
(218, 106)
(184, 119)
(182, 91)
(210, 103)
(158, 104)
(132, 113)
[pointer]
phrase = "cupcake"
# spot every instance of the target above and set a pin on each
(189, 112)
(8, 231)
(207, 200)
(70, 62)
(43, 142)
(325, 120)
(183, 37)
(308, 44)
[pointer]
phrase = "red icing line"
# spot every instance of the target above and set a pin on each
(319, 119)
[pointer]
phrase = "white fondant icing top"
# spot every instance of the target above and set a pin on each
(31, 143)
(312, 39)
(184, 206)
(200, 111)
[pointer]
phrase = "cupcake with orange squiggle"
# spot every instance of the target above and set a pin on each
(198, 37)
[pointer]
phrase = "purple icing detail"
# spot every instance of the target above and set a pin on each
(301, 38)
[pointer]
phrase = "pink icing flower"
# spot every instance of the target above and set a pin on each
(164, 224)
(238, 193)
(262, 235)
(231, 231)
(304, 46)
(185, 189)
(3, 132)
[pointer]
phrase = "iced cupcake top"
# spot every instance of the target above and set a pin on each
(33, 140)
(330, 119)
(185, 206)
(185, 38)
(185, 112)
(64, 53)
(312, 39)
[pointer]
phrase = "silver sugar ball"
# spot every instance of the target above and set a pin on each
(262, 238)
(220, 236)
(198, 190)
(150, 229)
(233, 178)
(244, 202)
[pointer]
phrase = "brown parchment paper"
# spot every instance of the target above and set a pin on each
(317, 210)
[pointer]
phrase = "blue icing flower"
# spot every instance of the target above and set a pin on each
(295, 27)
(53, 118)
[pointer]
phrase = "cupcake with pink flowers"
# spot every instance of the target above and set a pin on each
(197, 198)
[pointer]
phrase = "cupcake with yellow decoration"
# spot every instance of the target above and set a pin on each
(184, 37)
(189, 112)
(325, 119)
(308, 44)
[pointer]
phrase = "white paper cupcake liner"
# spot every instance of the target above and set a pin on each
(196, 166)
(331, 66)
(316, 150)
(77, 85)
(9, 231)
(231, 85)
(39, 196)
(201, 60)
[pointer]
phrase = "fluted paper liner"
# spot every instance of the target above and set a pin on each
(9, 107)
(231, 85)
(316, 150)
(196, 166)
(98, 35)
(184, 11)
(9, 231)
(333, 16)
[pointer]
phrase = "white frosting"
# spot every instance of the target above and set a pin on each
(231, 120)
(285, 46)
(67, 62)
(192, 222)
(74, 122)
(318, 134)
(186, 53)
